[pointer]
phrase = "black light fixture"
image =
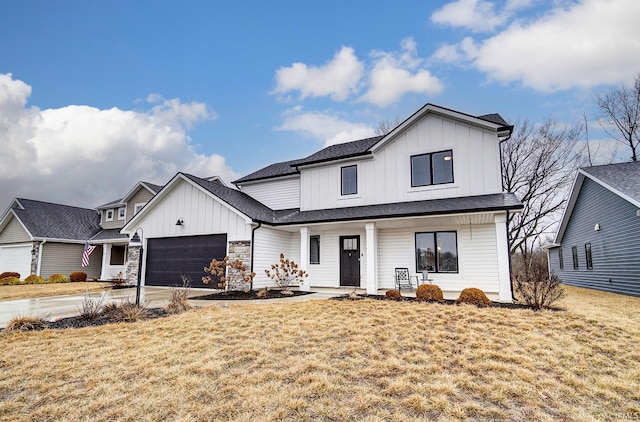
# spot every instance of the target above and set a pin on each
(180, 222)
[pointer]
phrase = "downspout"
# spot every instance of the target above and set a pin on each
(40, 249)
(253, 236)
(507, 223)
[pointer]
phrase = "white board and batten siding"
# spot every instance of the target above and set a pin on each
(477, 259)
(269, 244)
(277, 194)
(64, 258)
(200, 212)
(387, 177)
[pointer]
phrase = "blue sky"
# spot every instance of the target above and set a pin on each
(96, 95)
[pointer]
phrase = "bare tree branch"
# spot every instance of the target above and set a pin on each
(386, 126)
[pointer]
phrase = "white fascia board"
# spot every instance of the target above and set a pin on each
(334, 162)
(266, 180)
(105, 241)
(50, 239)
(135, 189)
(7, 217)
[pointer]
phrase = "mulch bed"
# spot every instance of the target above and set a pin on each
(446, 302)
(251, 295)
(81, 322)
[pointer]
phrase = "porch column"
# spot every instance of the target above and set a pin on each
(372, 258)
(304, 257)
(106, 254)
(504, 278)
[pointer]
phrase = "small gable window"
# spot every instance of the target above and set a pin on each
(121, 213)
(109, 214)
(432, 169)
(138, 207)
(349, 180)
(314, 250)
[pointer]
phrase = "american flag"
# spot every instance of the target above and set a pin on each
(88, 249)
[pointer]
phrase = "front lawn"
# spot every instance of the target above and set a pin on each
(28, 291)
(335, 360)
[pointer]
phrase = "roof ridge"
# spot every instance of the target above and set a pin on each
(55, 203)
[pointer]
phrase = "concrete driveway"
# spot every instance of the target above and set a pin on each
(52, 307)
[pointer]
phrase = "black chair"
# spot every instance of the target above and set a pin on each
(403, 279)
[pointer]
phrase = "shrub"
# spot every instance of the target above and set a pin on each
(34, 279)
(178, 301)
(262, 294)
(25, 323)
(91, 306)
(393, 294)
(57, 278)
(126, 311)
(10, 281)
(429, 293)
(286, 273)
(228, 274)
(532, 282)
(473, 296)
(78, 276)
(9, 274)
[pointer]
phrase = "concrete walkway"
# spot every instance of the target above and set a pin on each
(52, 307)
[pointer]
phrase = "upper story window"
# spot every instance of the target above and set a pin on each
(349, 180)
(138, 207)
(437, 252)
(121, 213)
(432, 169)
(109, 214)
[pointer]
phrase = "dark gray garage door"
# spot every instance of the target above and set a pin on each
(170, 257)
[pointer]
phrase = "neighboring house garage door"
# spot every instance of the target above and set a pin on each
(170, 257)
(16, 259)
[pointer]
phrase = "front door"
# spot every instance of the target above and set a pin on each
(350, 261)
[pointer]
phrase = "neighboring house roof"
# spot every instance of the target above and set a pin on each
(122, 201)
(366, 146)
(45, 220)
(112, 204)
(623, 179)
(109, 234)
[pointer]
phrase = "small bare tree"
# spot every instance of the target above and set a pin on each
(620, 115)
(532, 282)
(228, 274)
(385, 126)
(285, 273)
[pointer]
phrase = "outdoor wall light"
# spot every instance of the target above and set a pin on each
(180, 222)
(597, 227)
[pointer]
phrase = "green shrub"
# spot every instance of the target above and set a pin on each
(473, 296)
(393, 294)
(57, 278)
(9, 274)
(429, 293)
(10, 281)
(78, 276)
(34, 279)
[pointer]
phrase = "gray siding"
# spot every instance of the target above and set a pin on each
(140, 197)
(64, 258)
(115, 224)
(615, 248)
(14, 233)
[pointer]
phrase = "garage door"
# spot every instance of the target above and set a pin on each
(16, 259)
(170, 257)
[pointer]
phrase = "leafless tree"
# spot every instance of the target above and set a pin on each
(538, 163)
(386, 126)
(620, 115)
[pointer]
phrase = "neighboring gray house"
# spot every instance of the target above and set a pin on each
(44, 238)
(598, 240)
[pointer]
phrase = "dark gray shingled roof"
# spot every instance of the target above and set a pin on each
(55, 221)
(118, 202)
(284, 168)
(111, 204)
(155, 188)
(623, 177)
(261, 213)
(494, 118)
(109, 234)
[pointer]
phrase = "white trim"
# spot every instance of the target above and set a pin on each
(266, 179)
(106, 213)
(371, 234)
(135, 189)
(304, 256)
(124, 212)
(138, 207)
(502, 251)
(5, 221)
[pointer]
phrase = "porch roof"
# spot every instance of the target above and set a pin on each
(109, 234)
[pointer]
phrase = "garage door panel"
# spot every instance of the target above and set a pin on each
(169, 258)
(17, 259)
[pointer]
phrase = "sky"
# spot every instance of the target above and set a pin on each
(98, 95)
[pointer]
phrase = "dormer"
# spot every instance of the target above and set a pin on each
(115, 214)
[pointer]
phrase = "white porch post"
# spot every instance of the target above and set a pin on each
(106, 254)
(304, 257)
(504, 277)
(372, 258)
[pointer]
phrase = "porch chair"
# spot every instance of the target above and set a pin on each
(404, 279)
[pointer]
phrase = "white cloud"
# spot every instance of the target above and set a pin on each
(81, 155)
(478, 15)
(584, 44)
(324, 126)
(338, 78)
(397, 73)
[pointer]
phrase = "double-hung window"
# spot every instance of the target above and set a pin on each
(432, 169)
(437, 252)
(349, 180)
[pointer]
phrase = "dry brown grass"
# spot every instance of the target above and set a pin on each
(330, 360)
(28, 291)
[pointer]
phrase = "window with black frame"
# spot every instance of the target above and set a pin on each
(432, 169)
(437, 252)
(314, 250)
(587, 252)
(561, 259)
(349, 180)
(574, 252)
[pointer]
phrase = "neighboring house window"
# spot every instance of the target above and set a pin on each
(314, 250)
(109, 215)
(432, 169)
(437, 252)
(118, 253)
(349, 180)
(138, 207)
(121, 213)
(587, 252)
(561, 259)
(574, 252)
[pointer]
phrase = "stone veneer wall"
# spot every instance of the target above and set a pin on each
(133, 260)
(240, 249)
(34, 259)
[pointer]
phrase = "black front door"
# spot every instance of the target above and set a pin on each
(350, 260)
